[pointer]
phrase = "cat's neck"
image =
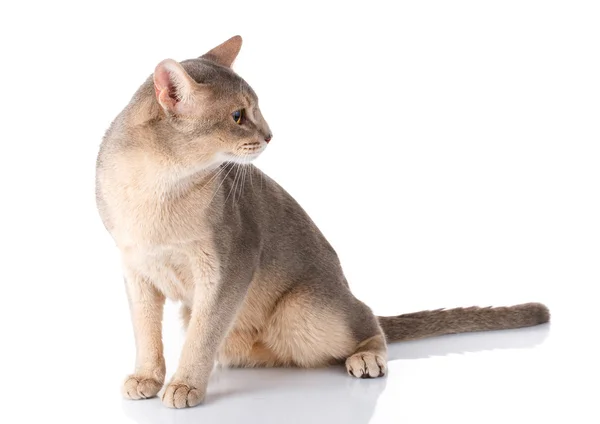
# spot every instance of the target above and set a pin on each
(157, 176)
(176, 180)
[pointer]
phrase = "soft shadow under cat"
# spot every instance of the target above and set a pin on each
(319, 395)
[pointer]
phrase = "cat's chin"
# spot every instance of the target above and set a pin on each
(241, 159)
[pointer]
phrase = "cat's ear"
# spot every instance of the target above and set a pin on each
(173, 87)
(224, 54)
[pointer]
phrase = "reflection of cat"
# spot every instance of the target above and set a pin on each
(258, 282)
(317, 396)
(274, 396)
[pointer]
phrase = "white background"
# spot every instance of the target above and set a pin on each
(448, 150)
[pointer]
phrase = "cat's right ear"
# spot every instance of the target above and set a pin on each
(173, 87)
(225, 53)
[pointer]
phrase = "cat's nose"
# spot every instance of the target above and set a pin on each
(268, 137)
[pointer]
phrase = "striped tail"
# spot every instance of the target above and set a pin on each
(419, 325)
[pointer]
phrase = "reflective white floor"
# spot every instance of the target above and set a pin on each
(329, 396)
(512, 376)
(517, 376)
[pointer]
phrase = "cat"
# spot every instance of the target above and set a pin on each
(259, 285)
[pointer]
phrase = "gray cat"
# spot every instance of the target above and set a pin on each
(259, 284)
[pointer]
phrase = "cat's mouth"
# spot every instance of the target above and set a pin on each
(246, 153)
(243, 157)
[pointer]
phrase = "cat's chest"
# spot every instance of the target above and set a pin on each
(163, 235)
(151, 220)
(168, 268)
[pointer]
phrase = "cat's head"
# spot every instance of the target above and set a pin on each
(210, 110)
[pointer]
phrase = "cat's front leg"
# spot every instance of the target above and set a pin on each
(146, 305)
(216, 303)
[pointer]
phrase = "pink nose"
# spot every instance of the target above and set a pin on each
(268, 138)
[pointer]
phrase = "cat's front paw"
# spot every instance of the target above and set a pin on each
(180, 395)
(138, 387)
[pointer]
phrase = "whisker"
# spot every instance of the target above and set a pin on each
(235, 177)
(251, 183)
(220, 171)
(239, 186)
(261, 180)
(246, 168)
(241, 180)
(222, 181)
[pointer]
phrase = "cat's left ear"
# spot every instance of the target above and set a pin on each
(174, 88)
(224, 54)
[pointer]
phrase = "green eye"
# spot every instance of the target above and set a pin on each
(238, 116)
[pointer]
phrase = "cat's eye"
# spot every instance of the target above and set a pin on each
(238, 116)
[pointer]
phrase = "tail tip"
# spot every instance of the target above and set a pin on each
(540, 312)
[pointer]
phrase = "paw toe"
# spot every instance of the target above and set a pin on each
(178, 395)
(136, 387)
(366, 365)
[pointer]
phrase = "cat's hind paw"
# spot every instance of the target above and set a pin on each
(366, 365)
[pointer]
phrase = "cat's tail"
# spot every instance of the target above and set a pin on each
(419, 325)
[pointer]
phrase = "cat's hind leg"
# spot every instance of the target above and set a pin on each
(311, 328)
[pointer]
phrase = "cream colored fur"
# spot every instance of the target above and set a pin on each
(258, 283)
